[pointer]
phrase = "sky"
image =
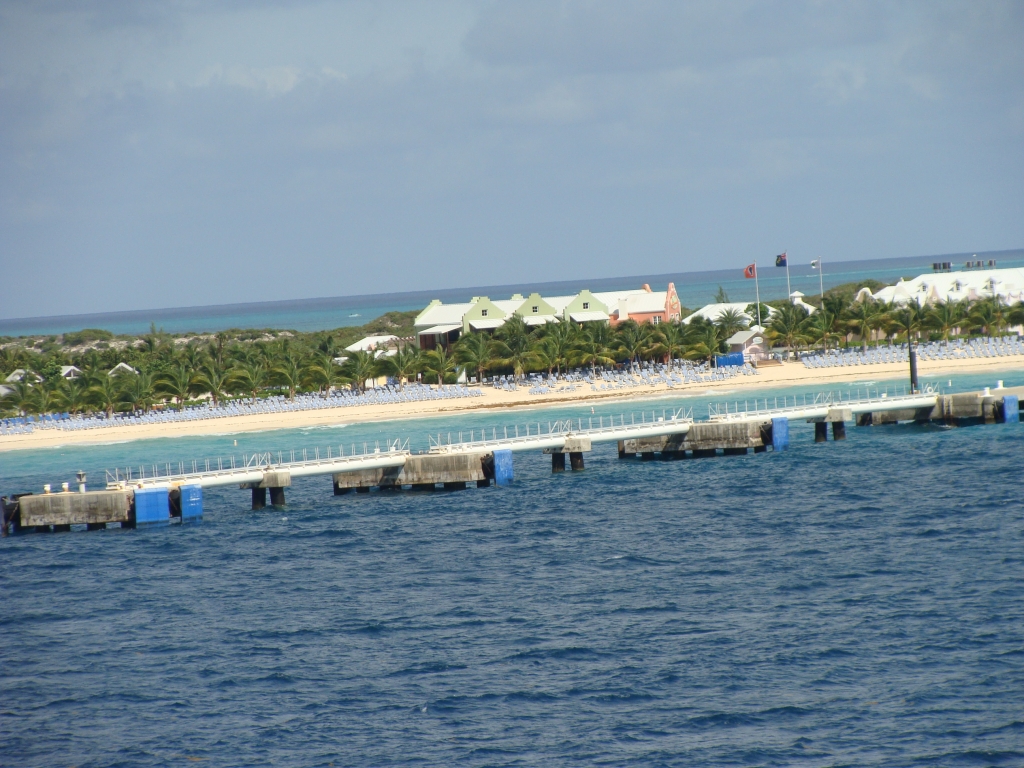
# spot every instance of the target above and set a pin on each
(202, 152)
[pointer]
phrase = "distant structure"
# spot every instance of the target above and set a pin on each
(972, 284)
(440, 325)
(712, 312)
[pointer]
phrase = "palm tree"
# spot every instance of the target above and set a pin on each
(514, 346)
(250, 377)
(1015, 315)
(405, 363)
(788, 326)
(214, 379)
(595, 346)
(22, 397)
(323, 373)
(139, 392)
(177, 382)
(359, 367)
(440, 362)
(560, 340)
(988, 316)
(288, 373)
(731, 321)
(106, 394)
(704, 341)
(192, 356)
(908, 319)
(48, 396)
(819, 327)
(944, 317)
(74, 394)
(475, 352)
(634, 340)
(860, 319)
(673, 340)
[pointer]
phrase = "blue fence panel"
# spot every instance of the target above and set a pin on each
(191, 502)
(1011, 409)
(151, 506)
(780, 433)
(503, 467)
(733, 358)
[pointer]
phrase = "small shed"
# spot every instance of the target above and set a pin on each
(750, 342)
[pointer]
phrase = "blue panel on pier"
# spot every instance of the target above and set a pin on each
(503, 467)
(1011, 409)
(191, 502)
(151, 506)
(780, 433)
(733, 358)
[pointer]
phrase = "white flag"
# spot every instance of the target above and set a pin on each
(814, 264)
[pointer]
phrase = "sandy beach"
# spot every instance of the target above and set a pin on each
(785, 375)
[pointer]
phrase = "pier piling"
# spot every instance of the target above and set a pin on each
(820, 431)
(557, 462)
(838, 430)
(576, 461)
(259, 498)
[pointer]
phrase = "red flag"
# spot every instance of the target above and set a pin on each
(750, 271)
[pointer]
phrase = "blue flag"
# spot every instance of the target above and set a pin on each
(781, 260)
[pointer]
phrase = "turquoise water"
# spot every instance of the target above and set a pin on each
(695, 290)
(855, 603)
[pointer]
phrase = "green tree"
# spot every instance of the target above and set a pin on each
(74, 394)
(138, 391)
(288, 373)
(440, 363)
(106, 394)
(862, 318)
(819, 327)
(323, 373)
(560, 341)
(177, 382)
(212, 378)
(672, 340)
(22, 396)
(634, 340)
(250, 376)
(788, 326)
(359, 367)
(731, 321)
(596, 346)
(988, 316)
(945, 317)
(514, 346)
(704, 341)
(474, 351)
(721, 297)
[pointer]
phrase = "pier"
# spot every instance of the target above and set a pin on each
(159, 494)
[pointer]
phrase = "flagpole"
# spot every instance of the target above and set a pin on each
(757, 294)
(821, 284)
(789, 288)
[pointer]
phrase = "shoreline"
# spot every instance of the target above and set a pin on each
(786, 375)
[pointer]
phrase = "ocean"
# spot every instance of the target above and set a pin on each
(695, 289)
(853, 603)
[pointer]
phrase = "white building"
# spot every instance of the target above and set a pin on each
(938, 287)
(713, 312)
(442, 324)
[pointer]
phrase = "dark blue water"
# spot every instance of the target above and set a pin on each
(854, 603)
(695, 289)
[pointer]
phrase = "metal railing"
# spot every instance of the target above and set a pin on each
(820, 399)
(252, 461)
(588, 426)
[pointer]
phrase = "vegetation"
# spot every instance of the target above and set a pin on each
(169, 371)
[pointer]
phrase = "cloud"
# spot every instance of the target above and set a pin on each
(390, 146)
